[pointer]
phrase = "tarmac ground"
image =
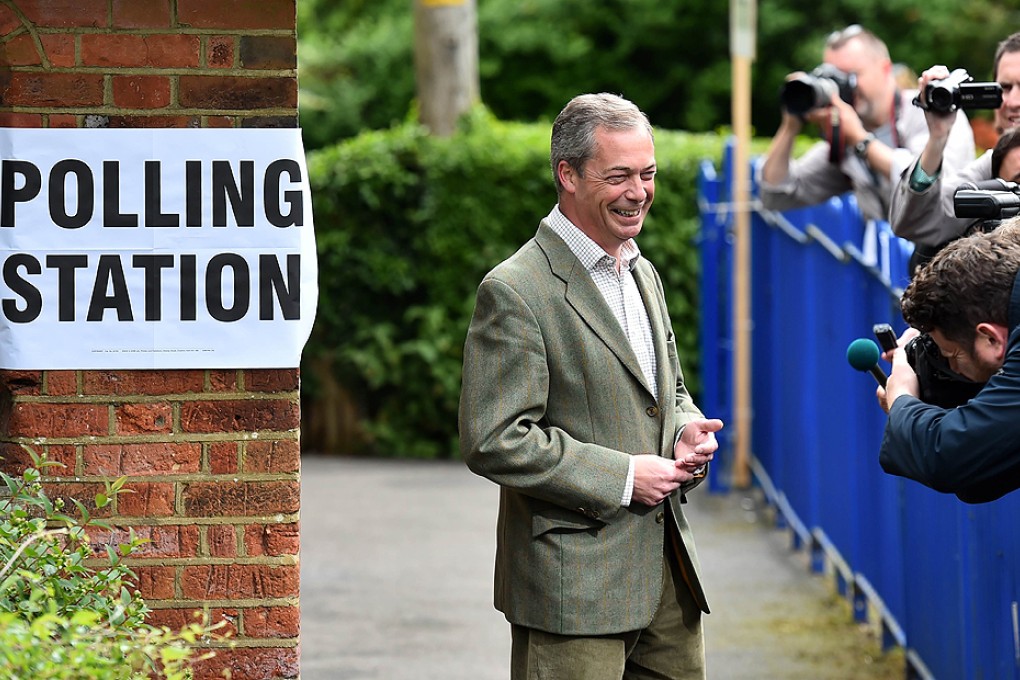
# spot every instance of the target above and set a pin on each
(396, 583)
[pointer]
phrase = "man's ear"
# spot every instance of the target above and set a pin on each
(568, 176)
(996, 337)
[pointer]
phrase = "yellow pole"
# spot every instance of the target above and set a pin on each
(742, 30)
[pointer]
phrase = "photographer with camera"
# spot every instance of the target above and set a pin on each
(872, 131)
(922, 201)
(967, 300)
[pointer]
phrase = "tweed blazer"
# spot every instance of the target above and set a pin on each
(552, 404)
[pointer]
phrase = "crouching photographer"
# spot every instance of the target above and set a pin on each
(967, 300)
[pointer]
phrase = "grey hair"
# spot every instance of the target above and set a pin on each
(1007, 46)
(573, 131)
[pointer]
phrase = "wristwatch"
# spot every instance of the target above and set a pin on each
(861, 147)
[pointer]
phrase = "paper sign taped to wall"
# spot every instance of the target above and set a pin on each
(154, 248)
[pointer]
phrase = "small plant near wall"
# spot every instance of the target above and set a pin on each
(66, 613)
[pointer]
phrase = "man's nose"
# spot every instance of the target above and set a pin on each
(1011, 97)
(636, 190)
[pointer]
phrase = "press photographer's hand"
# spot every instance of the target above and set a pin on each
(902, 379)
(939, 124)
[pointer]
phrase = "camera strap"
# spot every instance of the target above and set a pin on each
(835, 138)
(895, 120)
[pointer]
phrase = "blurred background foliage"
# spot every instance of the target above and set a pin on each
(671, 57)
(407, 224)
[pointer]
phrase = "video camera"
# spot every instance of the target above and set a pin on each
(959, 91)
(814, 90)
(939, 384)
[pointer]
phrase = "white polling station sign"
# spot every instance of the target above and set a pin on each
(155, 248)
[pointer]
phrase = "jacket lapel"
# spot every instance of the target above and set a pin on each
(584, 297)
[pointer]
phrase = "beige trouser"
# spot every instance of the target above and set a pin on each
(671, 647)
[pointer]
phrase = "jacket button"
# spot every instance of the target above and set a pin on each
(660, 517)
(652, 411)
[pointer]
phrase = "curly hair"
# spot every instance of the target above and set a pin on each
(968, 282)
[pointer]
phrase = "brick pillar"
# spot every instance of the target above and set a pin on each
(212, 454)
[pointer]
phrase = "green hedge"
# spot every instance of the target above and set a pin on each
(407, 225)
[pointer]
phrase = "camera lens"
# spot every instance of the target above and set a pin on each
(798, 96)
(940, 98)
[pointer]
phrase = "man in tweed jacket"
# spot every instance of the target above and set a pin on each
(573, 401)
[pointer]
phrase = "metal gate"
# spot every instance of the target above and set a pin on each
(938, 576)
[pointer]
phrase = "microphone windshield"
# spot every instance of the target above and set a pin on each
(862, 354)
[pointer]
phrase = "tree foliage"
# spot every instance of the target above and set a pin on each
(671, 57)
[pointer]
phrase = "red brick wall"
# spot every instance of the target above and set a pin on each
(212, 454)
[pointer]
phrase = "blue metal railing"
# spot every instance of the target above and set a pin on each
(941, 577)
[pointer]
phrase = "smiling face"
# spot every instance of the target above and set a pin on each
(1007, 74)
(610, 200)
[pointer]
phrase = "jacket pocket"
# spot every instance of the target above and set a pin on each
(559, 520)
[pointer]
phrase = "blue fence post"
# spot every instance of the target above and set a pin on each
(713, 334)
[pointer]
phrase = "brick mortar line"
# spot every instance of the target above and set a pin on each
(155, 398)
(126, 522)
(156, 71)
(244, 603)
(154, 113)
(275, 561)
(186, 478)
(234, 32)
(252, 643)
(177, 438)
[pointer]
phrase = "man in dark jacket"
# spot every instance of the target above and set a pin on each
(968, 299)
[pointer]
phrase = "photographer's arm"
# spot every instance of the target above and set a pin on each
(939, 126)
(921, 207)
(877, 155)
(785, 182)
(776, 168)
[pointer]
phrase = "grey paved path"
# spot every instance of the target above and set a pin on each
(396, 583)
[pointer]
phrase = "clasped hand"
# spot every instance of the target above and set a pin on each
(655, 477)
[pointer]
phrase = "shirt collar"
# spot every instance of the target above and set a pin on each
(585, 249)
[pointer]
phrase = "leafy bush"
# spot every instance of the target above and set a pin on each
(407, 225)
(60, 617)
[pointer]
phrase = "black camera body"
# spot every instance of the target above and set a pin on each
(939, 384)
(814, 90)
(993, 199)
(959, 91)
